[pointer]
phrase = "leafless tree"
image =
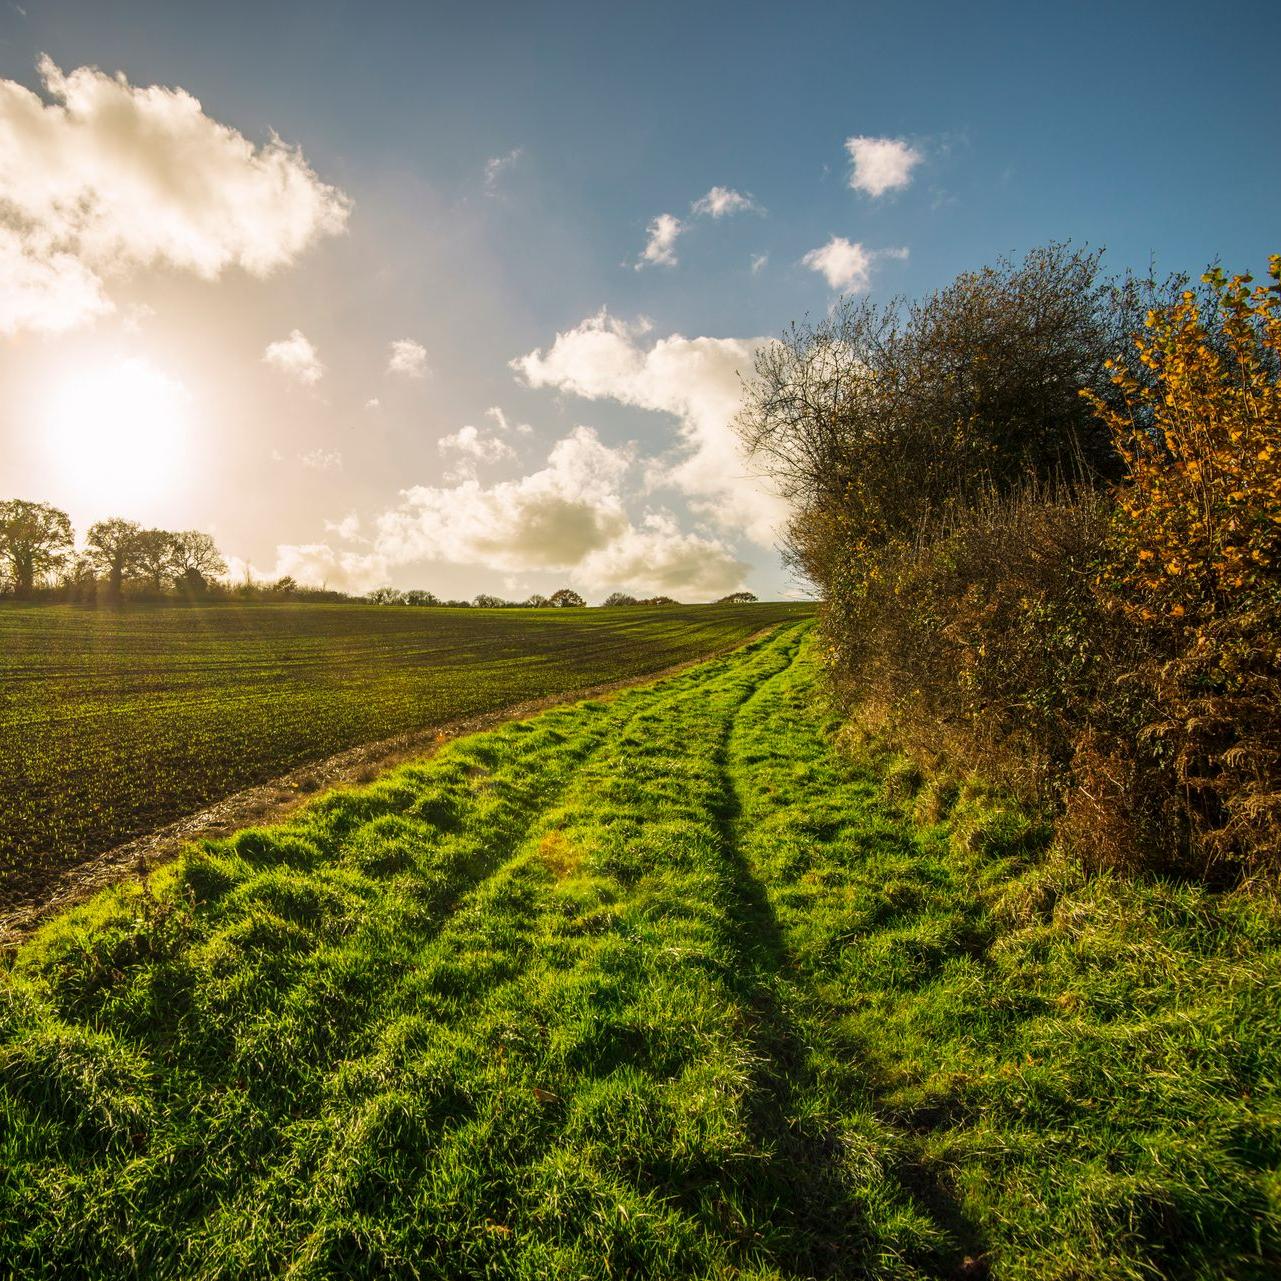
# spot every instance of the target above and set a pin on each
(196, 559)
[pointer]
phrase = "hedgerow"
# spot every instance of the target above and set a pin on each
(1041, 567)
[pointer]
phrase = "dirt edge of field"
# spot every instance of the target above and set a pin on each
(275, 799)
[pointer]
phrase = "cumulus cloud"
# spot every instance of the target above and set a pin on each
(567, 517)
(49, 292)
(348, 528)
(472, 447)
(694, 379)
(295, 356)
(879, 165)
(108, 177)
(496, 166)
(724, 200)
(549, 519)
(407, 357)
(320, 565)
(321, 459)
(845, 265)
(659, 558)
(660, 249)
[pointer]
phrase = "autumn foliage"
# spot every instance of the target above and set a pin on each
(1044, 510)
(1194, 552)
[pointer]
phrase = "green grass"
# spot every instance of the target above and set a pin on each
(113, 722)
(658, 986)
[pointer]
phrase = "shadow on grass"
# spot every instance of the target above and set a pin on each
(819, 1222)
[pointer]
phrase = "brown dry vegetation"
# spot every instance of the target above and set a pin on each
(1045, 569)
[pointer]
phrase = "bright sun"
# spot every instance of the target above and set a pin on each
(118, 431)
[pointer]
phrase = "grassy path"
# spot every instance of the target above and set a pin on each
(660, 986)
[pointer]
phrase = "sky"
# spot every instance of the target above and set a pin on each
(460, 296)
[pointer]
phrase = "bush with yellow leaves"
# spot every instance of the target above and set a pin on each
(1194, 556)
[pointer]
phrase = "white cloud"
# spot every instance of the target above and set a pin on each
(900, 252)
(407, 357)
(46, 291)
(660, 249)
(108, 177)
(296, 357)
(567, 517)
(879, 165)
(315, 565)
(659, 558)
(473, 447)
(845, 265)
(348, 528)
(549, 519)
(320, 565)
(496, 166)
(321, 459)
(505, 424)
(373, 403)
(724, 200)
(694, 379)
(759, 262)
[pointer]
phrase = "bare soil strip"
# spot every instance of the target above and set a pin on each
(274, 800)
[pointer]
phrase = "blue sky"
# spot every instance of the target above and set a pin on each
(1147, 129)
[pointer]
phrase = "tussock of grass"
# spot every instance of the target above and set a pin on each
(662, 986)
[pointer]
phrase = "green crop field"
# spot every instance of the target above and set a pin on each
(660, 985)
(114, 722)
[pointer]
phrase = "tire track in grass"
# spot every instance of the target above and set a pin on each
(453, 968)
(823, 1225)
(301, 1002)
(569, 988)
(785, 774)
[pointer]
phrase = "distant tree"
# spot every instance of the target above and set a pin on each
(566, 598)
(456, 604)
(619, 598)
(385, 596)
(737, 598)
(286, 585)
(34, 539)
(420, 597)
(112, 546)
(196, 559)
(154, 557)
(486, 601)
(658, 600)
(79, 579)
(536, 601)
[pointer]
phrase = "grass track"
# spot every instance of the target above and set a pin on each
(114, 722)
(661, 986)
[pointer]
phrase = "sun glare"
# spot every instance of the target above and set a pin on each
(118, 432)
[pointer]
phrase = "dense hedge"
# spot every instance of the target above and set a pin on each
(1044, 509)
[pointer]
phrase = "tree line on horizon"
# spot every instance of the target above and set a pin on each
(37, 546)
(39, 561)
